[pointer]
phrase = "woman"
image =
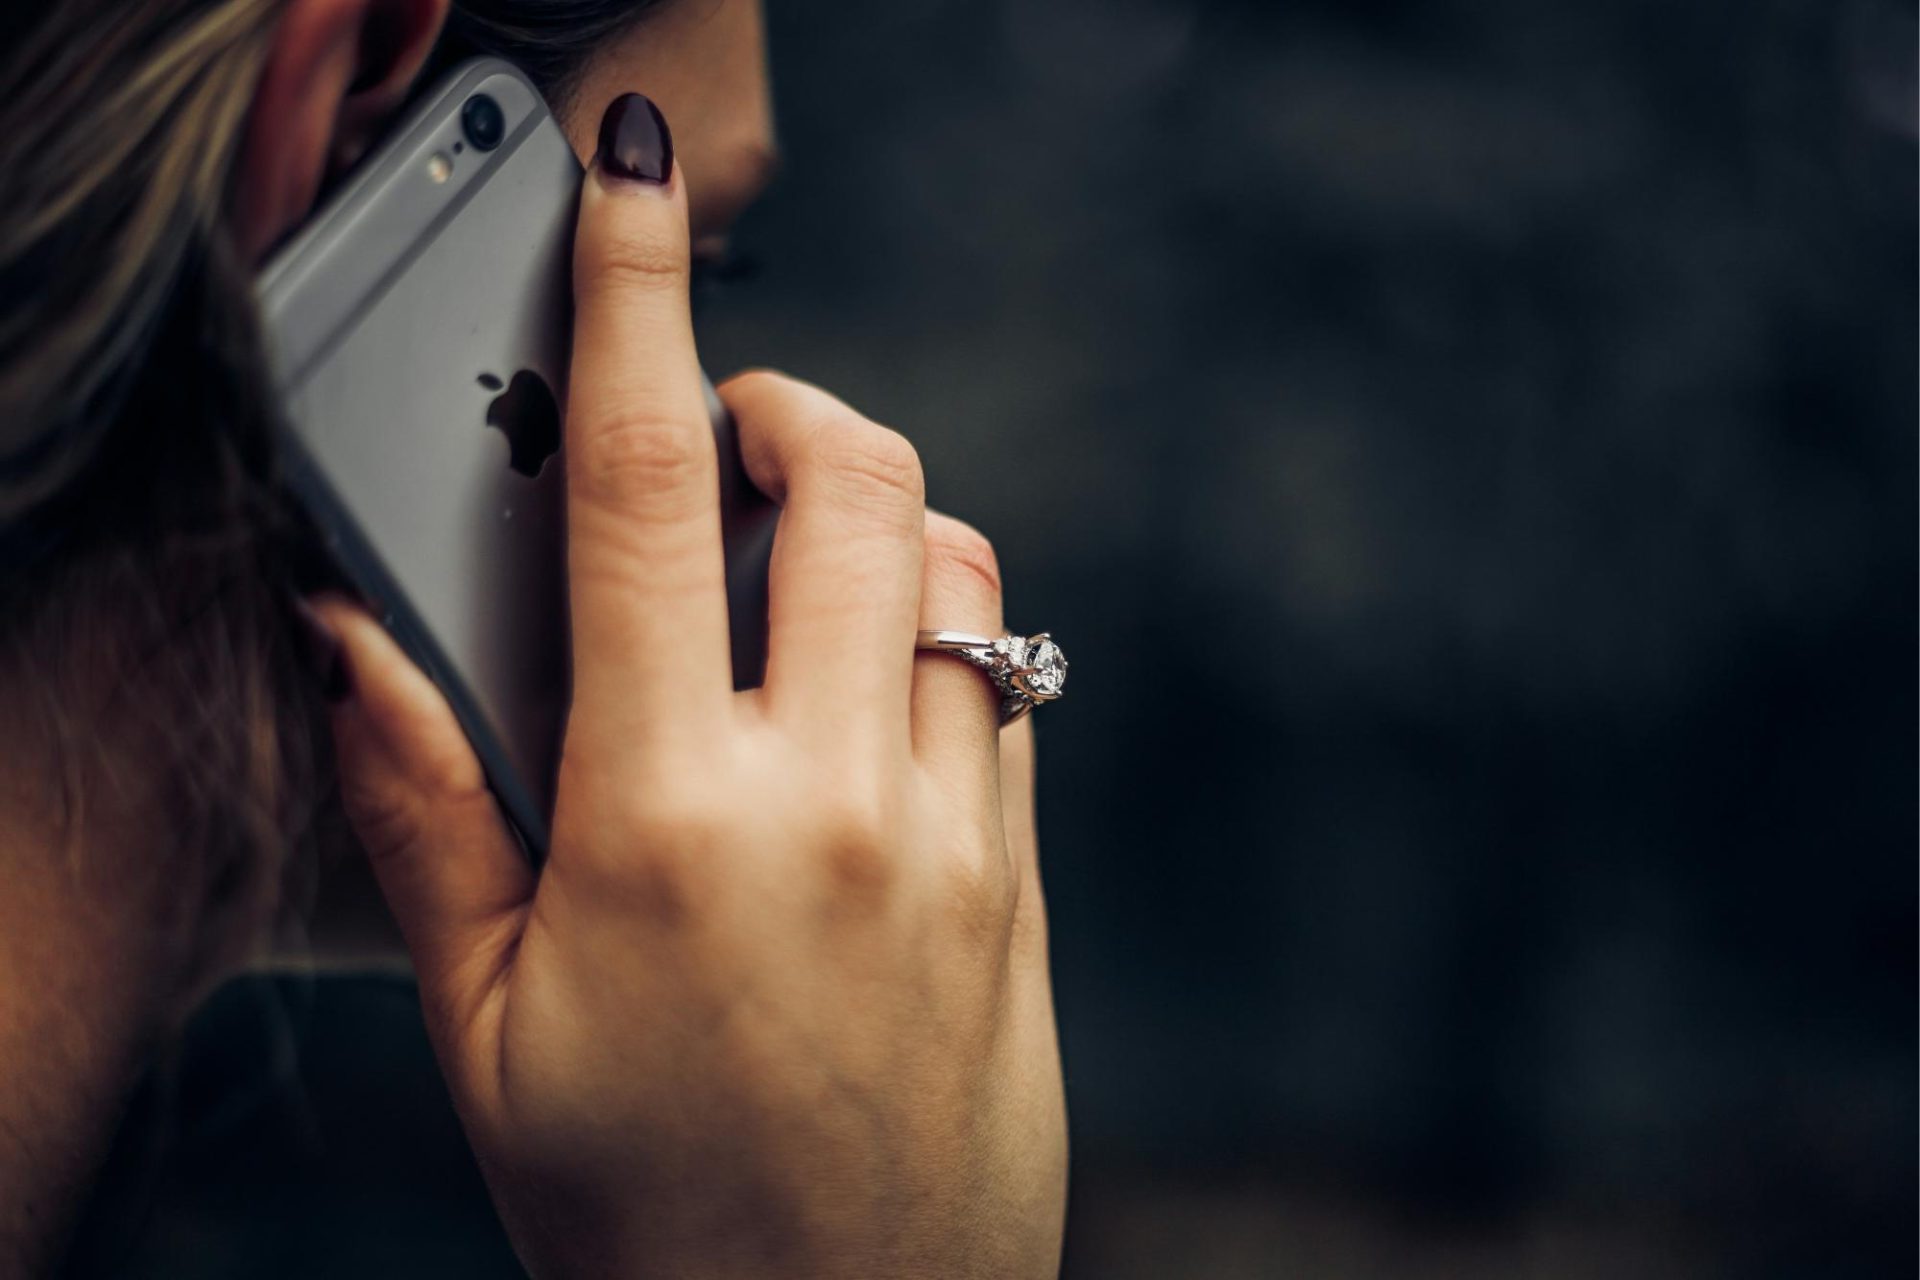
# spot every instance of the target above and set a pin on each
(810, 1035)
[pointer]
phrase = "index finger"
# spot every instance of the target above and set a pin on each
(646, 576)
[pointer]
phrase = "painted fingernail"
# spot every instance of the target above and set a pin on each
(634, 140)
(324, 655)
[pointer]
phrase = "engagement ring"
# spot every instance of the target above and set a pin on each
(1028, 670)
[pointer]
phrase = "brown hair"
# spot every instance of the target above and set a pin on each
(148, 556)
(547, 39)
(141, 533)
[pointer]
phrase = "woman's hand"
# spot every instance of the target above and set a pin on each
(778, 1002)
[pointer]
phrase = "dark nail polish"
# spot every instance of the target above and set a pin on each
(323, 654)
(634, 140)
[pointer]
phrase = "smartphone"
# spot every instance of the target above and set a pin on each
(418, 330)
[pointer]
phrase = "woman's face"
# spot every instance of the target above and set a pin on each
(704, 63)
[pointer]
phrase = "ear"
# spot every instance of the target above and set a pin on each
(337, 69)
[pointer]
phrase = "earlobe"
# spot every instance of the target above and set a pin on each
(336, 69)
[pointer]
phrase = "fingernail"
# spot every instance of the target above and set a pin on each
(323, 652)
(634, 140)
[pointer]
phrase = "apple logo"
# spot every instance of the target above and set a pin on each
(528, 416)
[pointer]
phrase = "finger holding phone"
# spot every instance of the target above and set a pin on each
(777, 1002)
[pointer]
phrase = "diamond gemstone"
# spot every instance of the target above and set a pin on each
(1049, 669)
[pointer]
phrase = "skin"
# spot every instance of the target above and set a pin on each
(810, 1035)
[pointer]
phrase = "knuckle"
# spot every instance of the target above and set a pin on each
(384, 823)
(667, 814)
(662, 885)
(872, 465)
(855, 854)
(1028, 933)
(633, 453)
(391, 816)
(981, 896)
(637, 259)
(659, 883)
(859, 871)
(650, 857)
(956, 546)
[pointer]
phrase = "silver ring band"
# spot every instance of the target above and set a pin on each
(1027, 670)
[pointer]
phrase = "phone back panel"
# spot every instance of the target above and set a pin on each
(429, 297)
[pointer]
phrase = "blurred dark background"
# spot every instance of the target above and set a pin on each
(1468, 451)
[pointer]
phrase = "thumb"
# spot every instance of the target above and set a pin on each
(452, 873)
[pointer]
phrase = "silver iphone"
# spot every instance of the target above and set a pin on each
(418, 327)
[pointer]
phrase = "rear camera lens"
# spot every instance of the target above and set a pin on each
(483, 122)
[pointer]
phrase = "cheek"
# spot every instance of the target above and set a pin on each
(704, 66)
(581, 123)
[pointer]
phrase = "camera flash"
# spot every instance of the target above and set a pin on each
(439, 168)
